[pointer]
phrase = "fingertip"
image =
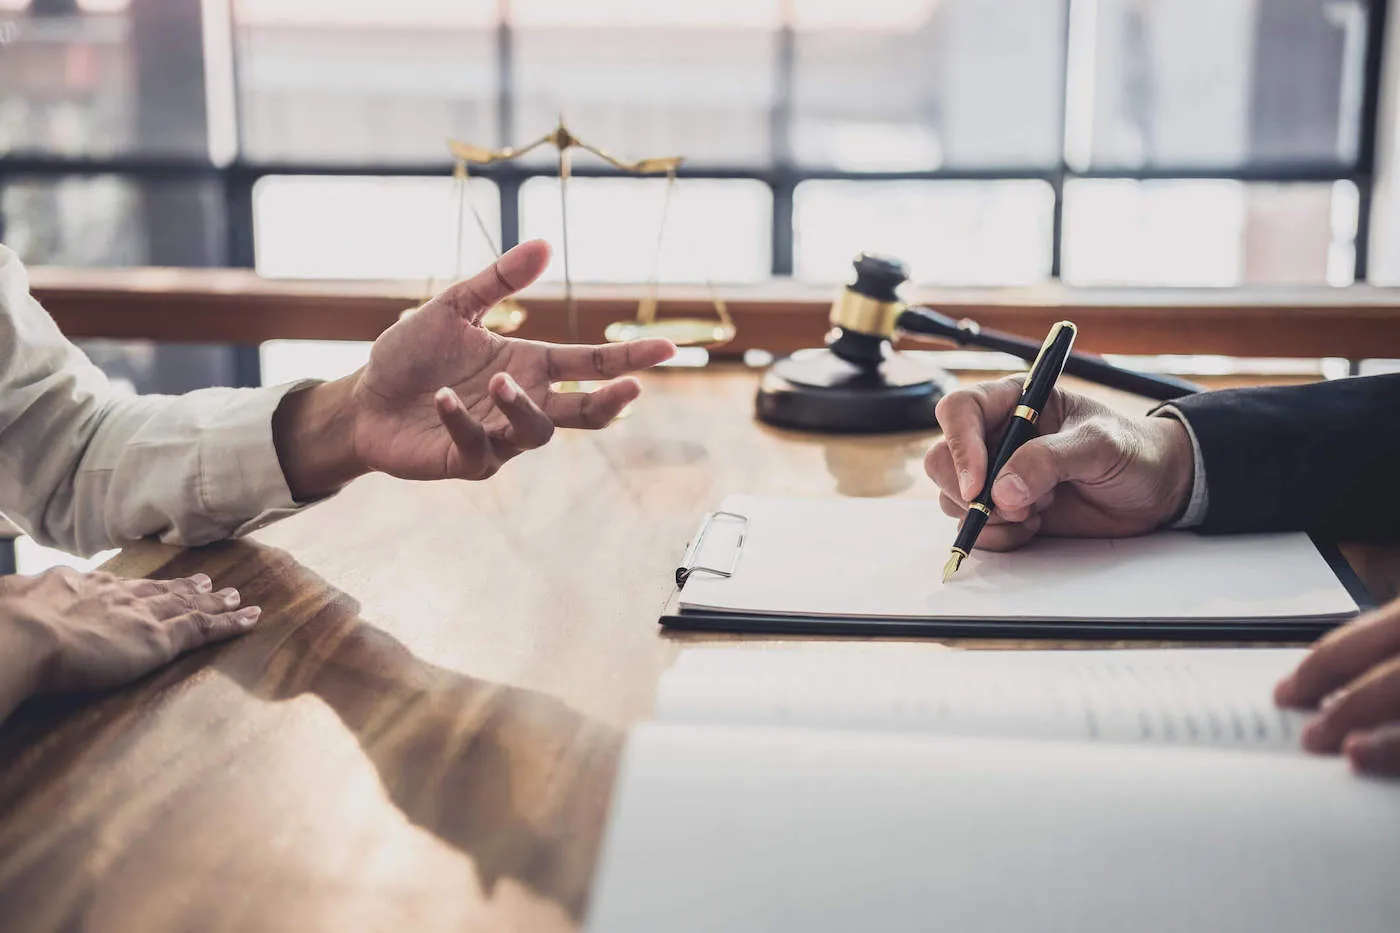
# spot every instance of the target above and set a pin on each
(628, 387)
(536, 245)
(1286, 691)
(447, 400)
(522, 264)
(505, 388)
(1011, 493)
(248, 616)
(202, 582)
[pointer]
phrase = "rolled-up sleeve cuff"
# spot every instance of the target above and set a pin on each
(1199, 500)
(239, 473)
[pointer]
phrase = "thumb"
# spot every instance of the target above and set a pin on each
(521, 265)
(1086, 452)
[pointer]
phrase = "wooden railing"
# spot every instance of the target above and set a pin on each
(238, 307)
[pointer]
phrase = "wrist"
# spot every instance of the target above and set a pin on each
(313, 431)
(27, 647)
(1178, 468)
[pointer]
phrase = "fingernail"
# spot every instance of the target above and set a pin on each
(509, 390)
(965, 483)
(1012, 490)
(246, 617)
(448, 398)
(229, 596)
(202, 582)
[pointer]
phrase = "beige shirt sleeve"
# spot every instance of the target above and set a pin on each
(85, 467)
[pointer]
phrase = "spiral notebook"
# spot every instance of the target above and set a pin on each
(870, 566)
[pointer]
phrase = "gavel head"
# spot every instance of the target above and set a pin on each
(863, 316)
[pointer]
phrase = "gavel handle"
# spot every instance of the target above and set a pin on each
(967, 333)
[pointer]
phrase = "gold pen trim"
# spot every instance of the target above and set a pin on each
(1026, 412)
(981, 508)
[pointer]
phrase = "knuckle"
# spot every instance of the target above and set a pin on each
(934, 457)
(1095, 432)
(204, 623)
(955, 403)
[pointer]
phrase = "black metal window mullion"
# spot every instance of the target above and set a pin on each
(784, 177)
(1369, 136)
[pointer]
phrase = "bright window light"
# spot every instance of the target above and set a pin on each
(359, 227)
(716, 230)
(949, 232)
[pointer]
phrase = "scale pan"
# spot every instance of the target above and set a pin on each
(682, 331)
(504, 318)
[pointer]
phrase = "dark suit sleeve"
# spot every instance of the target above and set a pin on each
(1323, 457)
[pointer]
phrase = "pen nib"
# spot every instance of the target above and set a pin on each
(950, 568)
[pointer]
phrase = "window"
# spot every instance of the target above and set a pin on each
(1217, 83)
(356, 227)
(950, 232)
(1121, 232)
(390, 81)
(928, 84)
(715, 230)
(985, 141)
(643, 78)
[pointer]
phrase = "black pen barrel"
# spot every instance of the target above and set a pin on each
(1017, 433)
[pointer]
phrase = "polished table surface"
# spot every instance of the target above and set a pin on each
(424, 730)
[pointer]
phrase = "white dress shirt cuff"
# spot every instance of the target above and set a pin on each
(239, 472)
(1199, 500)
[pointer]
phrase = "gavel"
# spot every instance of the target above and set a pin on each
(860, 384)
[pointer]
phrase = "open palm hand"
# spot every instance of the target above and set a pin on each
(443, 397)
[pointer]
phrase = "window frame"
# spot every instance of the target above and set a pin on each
(238, 176)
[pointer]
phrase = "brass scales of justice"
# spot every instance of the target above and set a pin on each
(509, 314)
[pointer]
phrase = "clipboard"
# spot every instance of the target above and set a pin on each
(674, 616)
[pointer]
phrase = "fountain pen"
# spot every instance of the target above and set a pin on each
(1040, 382)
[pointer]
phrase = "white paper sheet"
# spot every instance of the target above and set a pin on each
(1205, 696)
(883, 558)
(722, 828)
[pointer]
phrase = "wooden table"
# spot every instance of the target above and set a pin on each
(423, 732)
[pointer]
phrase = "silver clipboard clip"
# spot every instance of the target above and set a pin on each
(688, 565)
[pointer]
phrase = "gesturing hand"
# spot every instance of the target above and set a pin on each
(1090, 473)
(442, 397)
(75, 632)
(1355, 674)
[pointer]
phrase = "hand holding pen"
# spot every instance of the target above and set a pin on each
(1085, 471)
(1040, 381)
